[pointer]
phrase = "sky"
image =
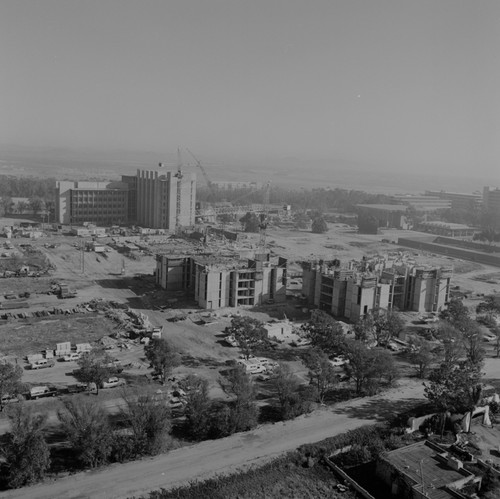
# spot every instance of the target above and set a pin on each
(404, 85)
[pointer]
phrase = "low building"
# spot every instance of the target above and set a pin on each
(424, 470)
(447, 229)
(372, 217)
(217, 283)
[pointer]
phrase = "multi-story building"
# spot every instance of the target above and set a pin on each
(157, 199)
(491, 201)
(459, 201)
(353, 291)
(422, 203)
(148, 199)
(101, 203)
(217, 283)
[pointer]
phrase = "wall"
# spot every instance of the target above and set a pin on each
(473, 256)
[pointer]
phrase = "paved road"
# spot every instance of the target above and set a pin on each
(229, 454)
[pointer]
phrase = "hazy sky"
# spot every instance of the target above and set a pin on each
(397, 83)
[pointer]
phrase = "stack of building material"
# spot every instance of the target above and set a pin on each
(63, 349)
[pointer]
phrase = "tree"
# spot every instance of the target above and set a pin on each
(321, 374)
(319, 226)
(198, 407)
(244, 411)
(286, 385)
(422, 356)
(36, 204)
(6, 203)
(301, 220)
(496, 332)
(163, 357)
(148, 417)
(454, 387)
(10, 380)
(250, 222)
(94, 367)
(379, 324)
(473, 346)
(87, 428)
(452, 342)
(25, 450)
(364, 328)
(324, 332)
(249, 333)
(368, 367)
(22, 207)
(457, 314)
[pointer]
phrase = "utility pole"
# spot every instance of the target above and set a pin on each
(82, 256)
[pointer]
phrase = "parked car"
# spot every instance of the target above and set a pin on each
(338, 361)
(301, 342)
(42, 364)
(11, 399)
(71, 357)
(113, 382)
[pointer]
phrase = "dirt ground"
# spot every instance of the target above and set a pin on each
(117, 277)
(114, 276)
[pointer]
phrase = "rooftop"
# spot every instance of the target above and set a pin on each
(384, 207)
(425, 464)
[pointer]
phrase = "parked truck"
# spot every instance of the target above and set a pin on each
(65, 292)
(37, 392)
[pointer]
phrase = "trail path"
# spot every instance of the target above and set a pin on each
(238, 451)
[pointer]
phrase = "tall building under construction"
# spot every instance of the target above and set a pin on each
(157, 199)
(149, 199)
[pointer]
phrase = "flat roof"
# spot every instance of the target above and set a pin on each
(384, 207)
(446, 225)
(419, 461)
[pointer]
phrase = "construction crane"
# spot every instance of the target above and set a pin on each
(263, 217)
(179, 176)
(210, 184)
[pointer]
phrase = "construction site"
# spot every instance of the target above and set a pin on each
(184, 271)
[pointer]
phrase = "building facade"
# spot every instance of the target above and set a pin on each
(491, 201)
(100, 203)
(148, 199)
(157, 199)
(351, 293)
(459, 201)
(215, 283)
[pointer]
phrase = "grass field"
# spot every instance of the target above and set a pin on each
(34, 335)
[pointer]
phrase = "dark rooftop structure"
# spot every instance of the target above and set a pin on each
(424, 470)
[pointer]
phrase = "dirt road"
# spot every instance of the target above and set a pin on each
(229, 454)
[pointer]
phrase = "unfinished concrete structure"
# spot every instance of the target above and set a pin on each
(157, 199)
(217, 282)
(352, 290)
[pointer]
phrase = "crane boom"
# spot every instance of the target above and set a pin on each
(210, 184)
(179, 176)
